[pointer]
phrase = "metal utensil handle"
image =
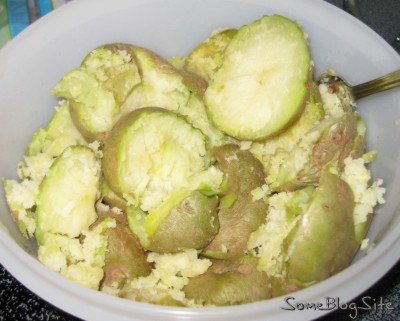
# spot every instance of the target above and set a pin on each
(377, 85)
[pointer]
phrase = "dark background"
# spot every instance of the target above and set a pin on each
(18, 303)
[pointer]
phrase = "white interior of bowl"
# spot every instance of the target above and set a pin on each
(33, 63)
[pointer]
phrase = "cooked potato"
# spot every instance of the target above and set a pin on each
(229, 282)
(187, 220)
(264, 79)
(239, 215)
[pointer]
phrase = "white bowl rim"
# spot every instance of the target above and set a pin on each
(86, 302)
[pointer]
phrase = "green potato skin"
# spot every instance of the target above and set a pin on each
(323, 242)
(193, 223)
(238, 220)
(125, 258)
(229, 283)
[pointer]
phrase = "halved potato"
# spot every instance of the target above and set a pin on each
(153, 152)
(67, 194)
(263, 82)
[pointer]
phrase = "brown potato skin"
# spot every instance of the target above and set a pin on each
(335, 144)
(192, 224)
(244, 173)
(229, 283)
(323, 242)
(125, 258)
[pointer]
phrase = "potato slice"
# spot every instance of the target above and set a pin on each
(67, 194)
(263, 83)
(153, 152)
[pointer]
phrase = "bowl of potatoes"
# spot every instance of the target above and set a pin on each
(186, 159)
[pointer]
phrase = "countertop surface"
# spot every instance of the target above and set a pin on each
(18, 303)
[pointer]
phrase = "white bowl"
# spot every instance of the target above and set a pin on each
(32, 64)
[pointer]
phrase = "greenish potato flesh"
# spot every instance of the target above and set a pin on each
(264, 79)
(59, 134)
(152, 152)
(97, 89)
(273, 151)
(207, 57)
(166, 87)
(67, 194)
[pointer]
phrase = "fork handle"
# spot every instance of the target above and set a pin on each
(377, 85)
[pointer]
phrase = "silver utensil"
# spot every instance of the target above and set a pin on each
(365, 89)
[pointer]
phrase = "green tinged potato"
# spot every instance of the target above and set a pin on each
(323, 242)
(308, 236)
(166, 87)
(112, 199)
(59, 134)
(97, 89)
(67, 194)
(273, 151)
(115, 79)
(153, 152)
(264, 79)
(327, 144)
(206, 58)
(188, 221)
(239, 215)
(125, 258)
(229, 282)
